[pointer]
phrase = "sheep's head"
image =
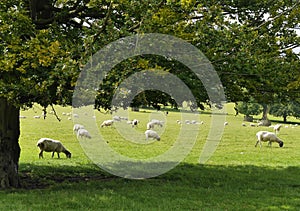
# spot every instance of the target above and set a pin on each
(280, 144)
(68, 154)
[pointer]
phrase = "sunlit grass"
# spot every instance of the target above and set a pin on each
(238, 176)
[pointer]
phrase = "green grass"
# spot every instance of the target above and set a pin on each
(237, 177)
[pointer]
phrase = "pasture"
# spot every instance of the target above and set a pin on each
(238, 176)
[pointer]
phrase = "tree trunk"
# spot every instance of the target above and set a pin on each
(9, 145)
(265, 112)
(284, 118)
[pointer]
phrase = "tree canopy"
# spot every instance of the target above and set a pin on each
(45, 43)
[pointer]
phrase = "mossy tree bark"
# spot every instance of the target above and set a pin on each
(9, 145)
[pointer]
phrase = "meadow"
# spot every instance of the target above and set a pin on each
(238, 176)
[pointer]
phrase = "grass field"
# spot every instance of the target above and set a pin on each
(237, 177)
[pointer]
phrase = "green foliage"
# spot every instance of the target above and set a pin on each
(249, 108)
(249, 44)
(285, 110)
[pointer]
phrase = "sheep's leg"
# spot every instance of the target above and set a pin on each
(270, 144)
(58, 155)
(41, 154)
(258, 141)
(52, 154)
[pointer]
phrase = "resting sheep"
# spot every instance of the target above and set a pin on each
(50, 145)
(152, 134)
(107, 123)
(81, 133)
(265, 136)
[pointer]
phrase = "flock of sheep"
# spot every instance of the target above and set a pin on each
(50, 145)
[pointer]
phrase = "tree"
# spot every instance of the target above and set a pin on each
(249, 108)
(44, 43)
(285, 110)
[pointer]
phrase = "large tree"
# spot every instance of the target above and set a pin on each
(44, 43)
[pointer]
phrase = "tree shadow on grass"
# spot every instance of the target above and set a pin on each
(187, 186)
(204, 175)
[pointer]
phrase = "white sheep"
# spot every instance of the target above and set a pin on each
(77, 127)
(225, 123)
(265, 136)
(134, 122)
(107, 123)
(50, 145)
(277, 128)
(154, 122)
(117, 118)
(152, 134)
(81, 133)
(260, 124)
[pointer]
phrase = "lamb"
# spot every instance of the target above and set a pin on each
(265, 136)
(50, 145)
(152, 134)
(107, 123)
(77, 127)
(83, 133)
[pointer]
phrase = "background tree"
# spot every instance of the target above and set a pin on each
(249, 109)
(285, 110)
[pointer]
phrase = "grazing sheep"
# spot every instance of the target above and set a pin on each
(178, 122)
(225, 123)
(83, 133)
(50, 145)
(134, 122)
(265, 136)
(77, 127)
(154, 122)
(36, 117)
(152, 134)
(107, 123)
(277, 128)
(252, 125)
(243, 124)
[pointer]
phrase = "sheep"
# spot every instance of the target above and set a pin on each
(134, 122)
(107, 123)
(50, 145)
(243, 124)
(83, 133)
(277, 128)
(152, 134)
(117, 118)
(77, 127)
(154, 122)
(260, 124)
(252, 125)
(265, 136)
(225, 123)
